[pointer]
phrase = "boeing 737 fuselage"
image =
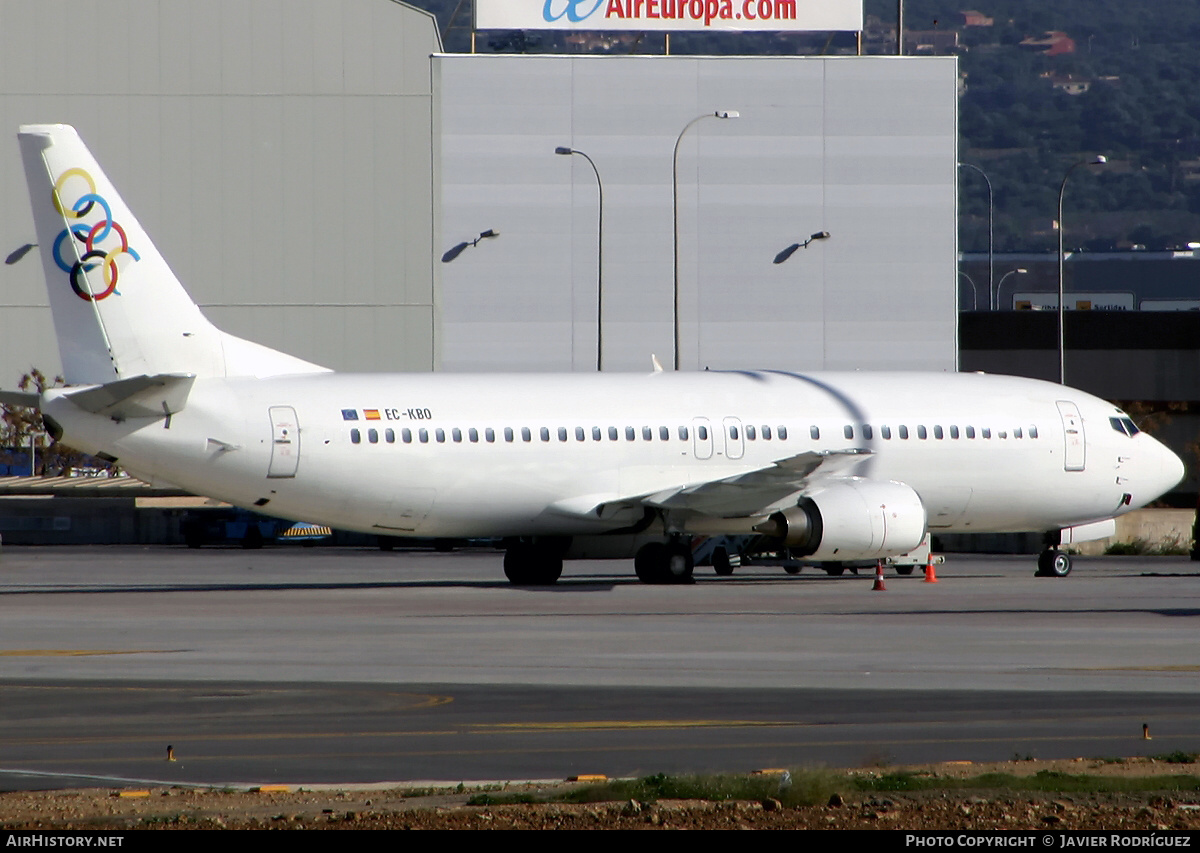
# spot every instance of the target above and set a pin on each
(837, 467)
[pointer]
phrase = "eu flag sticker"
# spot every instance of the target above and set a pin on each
(349, 414)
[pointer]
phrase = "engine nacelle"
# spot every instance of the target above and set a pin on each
(851, 519)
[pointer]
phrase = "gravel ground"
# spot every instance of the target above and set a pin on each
(177, 808)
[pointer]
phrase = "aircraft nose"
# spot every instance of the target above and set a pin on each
(1170, 470)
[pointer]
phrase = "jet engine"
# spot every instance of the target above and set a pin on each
(851, 519)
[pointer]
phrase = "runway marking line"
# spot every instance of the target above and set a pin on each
(598, 725)
(68, 653)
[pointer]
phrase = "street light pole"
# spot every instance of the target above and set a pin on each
(723, 114)
(1098, 160)
(974, 292)
(1000, 284)
(991, 235)
(565, 151)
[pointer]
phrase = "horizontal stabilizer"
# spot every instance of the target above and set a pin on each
(19, 398)
(136, 397)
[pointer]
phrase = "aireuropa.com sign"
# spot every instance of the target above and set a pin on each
(670, 15)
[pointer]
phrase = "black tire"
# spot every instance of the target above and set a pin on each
(679, 563)
(528, 565)
(834, 570)
(1054, 564)
(904, 570)
(650, 561)
(722, 565)
(792, 568)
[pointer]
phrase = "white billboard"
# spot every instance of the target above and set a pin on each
(670, 15)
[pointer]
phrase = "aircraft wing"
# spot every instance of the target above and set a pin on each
(750, 493)
(753, 492)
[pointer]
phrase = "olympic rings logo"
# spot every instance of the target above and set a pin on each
(103, 243)
(570, 9)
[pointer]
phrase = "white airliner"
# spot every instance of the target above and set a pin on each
(839, 466)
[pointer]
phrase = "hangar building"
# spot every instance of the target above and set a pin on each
(304, 165)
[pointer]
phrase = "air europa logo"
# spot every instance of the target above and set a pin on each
(570, 8)
(104, 241)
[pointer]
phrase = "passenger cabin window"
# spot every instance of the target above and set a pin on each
(781, 433)
(814, 432)
(937, 432)
(885, 432)
(848, 431)
(423, 436)
(389, 436)
(456, 434)
(473, 434)
(612, 434)
(544, 433)
(903, 431)
(867, 431)
(630, 433)
(562, 433)
(647, 434)
(596, 434)
(664, 434)
(733, 432)
(406, 435)
(355, 436)
(580, 435)
(683, 433)
(702, 432)
(373, 436)
(750, 433)
(766, 433)
(508, 434)
(921, 432)
(1017, 433)
(970, 432)
(440, 435)
(489, 434)
(954, 432)
(526, 435)
(1033, 432)
(986, 432)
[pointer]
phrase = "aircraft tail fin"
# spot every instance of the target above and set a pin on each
(119, 311)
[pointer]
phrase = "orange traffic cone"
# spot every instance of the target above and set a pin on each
(879, 577)
(930, 574)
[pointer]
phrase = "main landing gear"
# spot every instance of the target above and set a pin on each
(665, 562)
(536, 562)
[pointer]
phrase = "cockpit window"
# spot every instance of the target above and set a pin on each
(1124, 425)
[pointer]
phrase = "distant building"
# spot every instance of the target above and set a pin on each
(976, 19)
(1069, 83)
(1051, 44)
(931, 42)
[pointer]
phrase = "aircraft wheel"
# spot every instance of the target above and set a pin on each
(679, 563)
(722, 565)
(650, 561)
(834, 570)
(1054, 564)
(529, 565)
(904, 570)
(792, 569)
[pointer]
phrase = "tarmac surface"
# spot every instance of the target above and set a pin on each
(344, 666)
